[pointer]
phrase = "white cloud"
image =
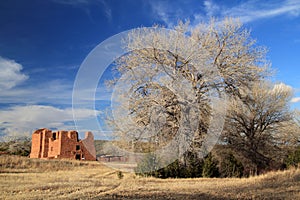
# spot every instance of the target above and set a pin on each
(84, 5)
(162, 11)
(22, 120)
(107, 10)
(295, 100)
(211, 8)
(51, 91)
(253, 10)
(246, 11)
(10, 74)
(170, 13)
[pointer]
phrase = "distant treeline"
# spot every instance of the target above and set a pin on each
(19, 146)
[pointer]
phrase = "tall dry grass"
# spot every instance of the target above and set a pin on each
(10, 163)
(23, 178)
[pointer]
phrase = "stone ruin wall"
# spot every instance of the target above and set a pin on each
(62, 144)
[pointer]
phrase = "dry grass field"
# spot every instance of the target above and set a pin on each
(24, 178)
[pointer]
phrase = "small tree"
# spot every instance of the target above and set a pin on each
(255, 121)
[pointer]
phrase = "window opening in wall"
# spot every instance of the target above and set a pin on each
(77, 157)
(54, 136)
(77, 147)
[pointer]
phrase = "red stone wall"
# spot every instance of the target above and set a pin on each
(85, 153)
(54, 146)
(46, 134)
(36, 146)
(88, 146)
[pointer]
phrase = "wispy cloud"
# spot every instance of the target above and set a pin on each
(22, 120)
(84, 5)
(107, 10)
(161, 10)
(170, 12)
(254, 10)
(295, 100)
(19, 88)
(50, 91)
(246, 11)
(211, 8)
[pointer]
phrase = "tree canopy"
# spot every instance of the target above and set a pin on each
(175, 83)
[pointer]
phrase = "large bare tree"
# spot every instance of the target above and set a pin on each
(168, 79)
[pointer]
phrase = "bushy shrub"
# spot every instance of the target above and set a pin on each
(293, 159)
(20, 146)
(120, 174)
(192, 166)
(173, 170)
(230, 167)
(188, 167)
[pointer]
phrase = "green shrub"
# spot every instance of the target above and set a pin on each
(210, 167)
(230, 166)
(192, 166)
(188, 167)
(293, 159)
(120, 174)
(170, 171)
(19, 146)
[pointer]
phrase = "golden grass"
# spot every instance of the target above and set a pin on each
(10, 163)
(23, 178)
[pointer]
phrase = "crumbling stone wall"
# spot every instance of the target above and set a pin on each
(62, 144)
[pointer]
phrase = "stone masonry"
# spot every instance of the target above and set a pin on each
(62, 144)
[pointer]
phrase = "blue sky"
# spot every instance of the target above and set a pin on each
(43, 43)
